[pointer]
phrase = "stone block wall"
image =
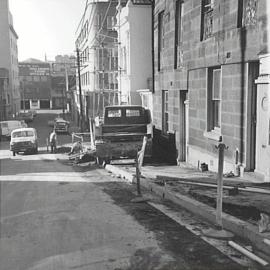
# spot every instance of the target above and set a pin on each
(230, 47)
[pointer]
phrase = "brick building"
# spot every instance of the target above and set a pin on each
(207, 62)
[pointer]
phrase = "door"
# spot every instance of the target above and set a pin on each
(182, 127)
(44, 104)
(253, 73)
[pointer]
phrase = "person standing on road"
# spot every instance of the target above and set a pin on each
(53, 139)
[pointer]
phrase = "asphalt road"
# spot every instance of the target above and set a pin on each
(56, 216)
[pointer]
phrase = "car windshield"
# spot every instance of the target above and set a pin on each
(25, 133)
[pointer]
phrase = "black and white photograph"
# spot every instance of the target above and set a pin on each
(134, 135)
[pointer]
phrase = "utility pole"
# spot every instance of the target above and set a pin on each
(80, 88)
(65, 90)
(23, 94)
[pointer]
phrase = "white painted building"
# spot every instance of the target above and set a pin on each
(134, 52)
(96, 44)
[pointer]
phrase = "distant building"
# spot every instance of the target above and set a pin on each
(134, 52)
(10, 97)
(47, 85)
(35, 84)
(63, 79)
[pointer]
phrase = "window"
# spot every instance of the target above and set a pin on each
(114, 113)
(132, 112)
(207, 19)
(214, 99)
(165, 111)
(161, 39)
(36, 78)
(247, 13)
(123, 59)
(19, 134)
(99, 18)
(178, 59)
(43, 78)
(110, 22)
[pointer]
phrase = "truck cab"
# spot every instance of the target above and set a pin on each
(123, 130)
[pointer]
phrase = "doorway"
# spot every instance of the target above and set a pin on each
(253, 73)
(44, 104)
(182, 126)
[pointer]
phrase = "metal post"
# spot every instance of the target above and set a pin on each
(221, 148)
(138, 175)
(219, 233)
(80, 88)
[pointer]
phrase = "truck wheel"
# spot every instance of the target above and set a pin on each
(103, 161)
(100, 161)
(14, 153)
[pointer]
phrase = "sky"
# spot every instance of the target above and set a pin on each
(46, 26)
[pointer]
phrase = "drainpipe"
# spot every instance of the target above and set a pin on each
(243, 43)
(153, 47)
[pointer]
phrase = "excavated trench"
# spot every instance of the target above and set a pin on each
(243, 205)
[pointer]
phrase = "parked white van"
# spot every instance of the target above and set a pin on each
(24, 140)
(6, 127)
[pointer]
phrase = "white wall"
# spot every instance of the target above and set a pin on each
(140, 49)
(135, 35)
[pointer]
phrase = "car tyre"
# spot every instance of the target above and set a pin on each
(14, 153)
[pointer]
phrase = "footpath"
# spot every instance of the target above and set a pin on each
(246, 201)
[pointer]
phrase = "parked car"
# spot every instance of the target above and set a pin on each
(26, 116)
(51, 123)
(61, 126)
(23, 140)
(6, 127)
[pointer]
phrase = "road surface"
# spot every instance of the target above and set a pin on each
(56, 216)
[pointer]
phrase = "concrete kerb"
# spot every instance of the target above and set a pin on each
(230, 223)
(120, 172)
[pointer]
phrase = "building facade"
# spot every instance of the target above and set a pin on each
(9, 61)
(35, 84)
(208, 64)
(134, 52)
(63, 79)
(4, 95)
(97, 54)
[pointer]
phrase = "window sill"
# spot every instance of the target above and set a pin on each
(212, 135)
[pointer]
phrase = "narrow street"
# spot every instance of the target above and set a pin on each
(58, 216)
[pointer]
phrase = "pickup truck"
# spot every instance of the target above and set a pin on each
(122, 131)
(61, 126)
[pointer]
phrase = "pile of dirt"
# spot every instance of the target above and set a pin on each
(63, 149)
